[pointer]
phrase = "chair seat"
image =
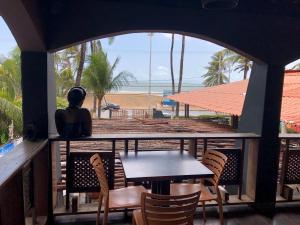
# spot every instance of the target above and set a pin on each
(138, 217)
(128, 197)
(185, 188)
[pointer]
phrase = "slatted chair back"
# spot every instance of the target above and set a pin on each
(98, 166)
(169, 210)
(215, 161)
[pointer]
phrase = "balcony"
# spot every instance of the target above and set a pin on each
(29, 192)
(26, 185)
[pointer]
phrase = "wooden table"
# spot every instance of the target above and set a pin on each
(160, 167)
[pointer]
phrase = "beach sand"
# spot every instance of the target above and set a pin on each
(133, 101)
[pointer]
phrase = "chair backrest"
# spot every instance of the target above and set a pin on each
(98, 166)
(215, 161)
(169, 210)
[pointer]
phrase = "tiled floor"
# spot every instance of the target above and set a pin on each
(286, 214)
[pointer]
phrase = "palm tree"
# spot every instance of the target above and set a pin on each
(180, 71)
(238, 62)
(296, 67)
(98, 76)
(10, 93)
(242, 64)
(81, 61)
(171, 64)
(64, 81)
(215, 74)
(95, 46)
(71, 59)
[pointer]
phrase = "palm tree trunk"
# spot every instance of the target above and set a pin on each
(94, 103)
(81, 64)
(180, 71)
(171, 65)
(92, 47)
(245, 70)
(99, 106)
(99, 97)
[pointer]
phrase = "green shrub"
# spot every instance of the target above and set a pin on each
(61, 103)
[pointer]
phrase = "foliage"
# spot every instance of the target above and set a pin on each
(64, 81)
(215, 74)
(10, 112)
(212, 117)
(290, 130)
(61, 103)
(221, 66)
(296, 67)
(99, 76)
(10, 95)
(238, 62)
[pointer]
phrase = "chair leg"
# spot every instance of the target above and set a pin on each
(220, 204)
(106, 209)
(99, 209)
(133, 220)
(203, 211)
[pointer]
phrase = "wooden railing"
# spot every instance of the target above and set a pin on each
(289, 174)
(24, 184)
(27, 192)
(195, 143)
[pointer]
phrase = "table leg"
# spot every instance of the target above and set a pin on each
(161, 187)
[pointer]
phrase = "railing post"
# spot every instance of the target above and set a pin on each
(67, 174)
(181, 145)
(241, 169)
(114, 160)
(136, 146)
(126, 146)
(251, 170)
(193, 147)
(284, 165)
(12, 202)
(204, 145)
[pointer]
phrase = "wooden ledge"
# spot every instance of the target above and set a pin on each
(159, 136)
(13, 161)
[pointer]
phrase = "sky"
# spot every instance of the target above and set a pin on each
(134, 53)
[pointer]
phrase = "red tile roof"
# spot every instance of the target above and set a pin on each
(229, 98)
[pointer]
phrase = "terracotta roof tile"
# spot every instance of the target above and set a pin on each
(229, 98)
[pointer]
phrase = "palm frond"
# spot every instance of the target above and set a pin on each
(11, 112)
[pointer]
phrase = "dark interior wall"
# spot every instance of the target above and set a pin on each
(34, 94)
(244, 31)
(258, 29)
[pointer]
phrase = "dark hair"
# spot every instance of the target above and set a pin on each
(76, 95)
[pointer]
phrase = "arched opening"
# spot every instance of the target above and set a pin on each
(147, 57)
(11, 124)
(50, 26)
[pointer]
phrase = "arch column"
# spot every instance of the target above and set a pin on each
(261, 115)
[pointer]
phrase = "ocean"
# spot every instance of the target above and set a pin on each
(156, 88)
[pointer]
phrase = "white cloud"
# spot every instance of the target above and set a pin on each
(162, 71)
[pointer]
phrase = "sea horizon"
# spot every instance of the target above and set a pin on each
(142, 87)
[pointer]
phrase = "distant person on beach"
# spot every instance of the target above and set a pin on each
(74, 121)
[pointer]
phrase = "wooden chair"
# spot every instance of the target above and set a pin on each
(166, 209)
(215, 161)
(129, 197)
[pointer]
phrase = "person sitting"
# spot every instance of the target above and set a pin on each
(74, 121)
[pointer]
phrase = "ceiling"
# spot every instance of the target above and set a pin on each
(265, 30)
